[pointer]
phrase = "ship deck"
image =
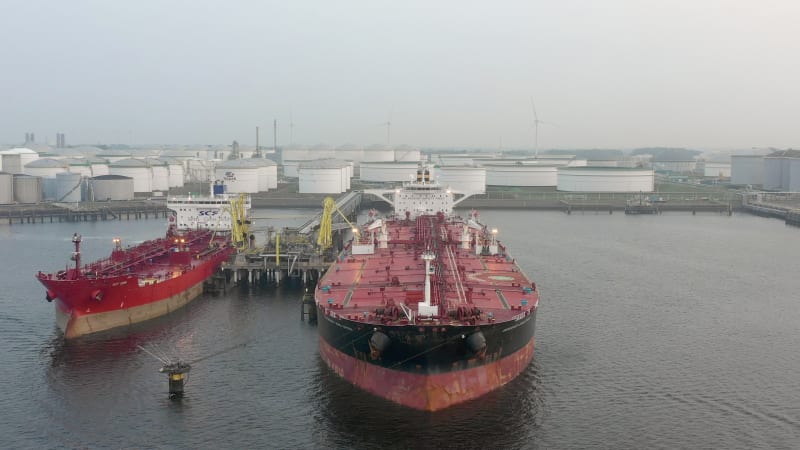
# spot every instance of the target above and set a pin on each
(150, 261)
(464, 278)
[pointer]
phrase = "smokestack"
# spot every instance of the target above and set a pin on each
(275, 135)
(258, 149)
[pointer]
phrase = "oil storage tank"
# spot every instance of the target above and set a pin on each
(45, 167)
(111, 187)
(406, 153)
(388, 171)
(15, 159)
(6, 188)
(137, 169)
(239, 175)
(160, 171)
(68, 187)
(501, 174)
(463, 179)
(605, 179)
(27, 189)
(747, 169)
(325, 176)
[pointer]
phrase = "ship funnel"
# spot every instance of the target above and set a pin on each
(419, 175)
(427, 175)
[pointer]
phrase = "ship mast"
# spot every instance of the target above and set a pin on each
(76, 255)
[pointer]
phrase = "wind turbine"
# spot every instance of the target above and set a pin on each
(536, 123)
(291, 127)
(389, 127)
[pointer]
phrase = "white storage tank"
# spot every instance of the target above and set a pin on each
(290, 168)
(239, 175)
(68, 187)
(605, 179)
(463, 179)
(267, 174)
(794, 175)
(46, 167)
(295, 153)
(98, 166)
(747, 169)
(717, 169)
(199, 170)
(14, 160)
(114, 155)
(325, 176)
(111, 187)
(377, 153)
(406, 153)
(88, 150)
(774, 167)
(388, 171)
(160, 171)
(6, 188)
(521, 175)
(453, 159)
(176, 172)
(80, 166)
(320, 151)
(134, 168)
(349, 152)
(27, 189)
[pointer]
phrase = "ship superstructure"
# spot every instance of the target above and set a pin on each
(208, 212)
(426, 308)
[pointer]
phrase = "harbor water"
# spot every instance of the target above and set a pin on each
(668, 331)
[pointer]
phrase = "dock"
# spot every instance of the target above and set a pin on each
(81, 212)
(292, 252)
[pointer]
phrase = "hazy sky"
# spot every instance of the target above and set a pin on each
(605, 73)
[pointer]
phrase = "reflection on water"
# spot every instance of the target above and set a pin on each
(673, 331)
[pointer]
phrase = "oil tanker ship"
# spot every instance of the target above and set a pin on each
(153, 278)
(425, 308)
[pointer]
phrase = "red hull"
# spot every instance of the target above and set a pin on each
(427, 392)
(161, 284)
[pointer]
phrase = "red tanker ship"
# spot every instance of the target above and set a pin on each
(152, 278)
(134, 284)
(425, 308)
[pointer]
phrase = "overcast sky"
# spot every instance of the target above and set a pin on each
(603, 74)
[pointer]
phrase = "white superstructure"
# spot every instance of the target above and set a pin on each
(212, 212)
(421, 196)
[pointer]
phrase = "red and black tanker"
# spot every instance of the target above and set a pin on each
(425, 308)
